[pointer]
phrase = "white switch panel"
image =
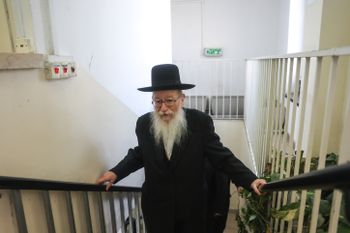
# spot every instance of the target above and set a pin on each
(60, 67)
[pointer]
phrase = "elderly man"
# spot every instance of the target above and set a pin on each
(173, 143)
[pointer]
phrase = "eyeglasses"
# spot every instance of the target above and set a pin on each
(168, 102)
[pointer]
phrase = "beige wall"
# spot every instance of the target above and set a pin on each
(335, 32)
(233, 136)
(69, 130)
(335, 28)
(327, 26)
(5, 41)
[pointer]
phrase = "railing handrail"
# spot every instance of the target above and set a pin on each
(52, 185)
(341, 51)
(334, 177)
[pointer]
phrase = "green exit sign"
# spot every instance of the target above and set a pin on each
(212, 52)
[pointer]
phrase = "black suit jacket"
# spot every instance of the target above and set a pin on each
(174, 191)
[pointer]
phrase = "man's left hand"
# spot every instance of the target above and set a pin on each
(257, 184)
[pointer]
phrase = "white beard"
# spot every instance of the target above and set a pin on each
(171, 132)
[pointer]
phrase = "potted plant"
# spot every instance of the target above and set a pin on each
(255, 211)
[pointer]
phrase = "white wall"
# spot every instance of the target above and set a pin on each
(116, 41)
(296, 26)
(70, 130)
(312, 24)
(243, 29)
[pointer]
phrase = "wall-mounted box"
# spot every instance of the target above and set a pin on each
(23, 45)
(60, 67)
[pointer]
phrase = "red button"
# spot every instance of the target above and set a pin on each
(57, 70)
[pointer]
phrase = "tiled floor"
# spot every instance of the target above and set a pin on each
(231, 224)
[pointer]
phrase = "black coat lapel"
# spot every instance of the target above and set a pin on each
(160, 154)
(179, 150)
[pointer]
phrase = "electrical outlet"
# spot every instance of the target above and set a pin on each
(23, 45)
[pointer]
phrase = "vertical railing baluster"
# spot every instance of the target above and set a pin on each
(268, 93)
(131, 219)
(230, 92)
(259, 113)
(302, 104)
(101, 213)
(224, 100)
(70, 214)
(217, 91)
(141, 213)
(112, 209)
(122, 214)
(48, 211)
(137, 212)
(270, 114)
(19, 211)
(335, 211)
(87, 213)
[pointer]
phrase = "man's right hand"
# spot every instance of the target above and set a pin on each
(108, 179)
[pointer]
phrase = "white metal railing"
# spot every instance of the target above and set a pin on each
(296, 114)
(219, 87)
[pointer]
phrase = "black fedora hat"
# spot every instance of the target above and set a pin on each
(166, 77)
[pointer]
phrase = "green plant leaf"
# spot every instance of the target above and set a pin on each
(325, 207)
(286, 215)
(287, 212)
(331, 159)
(342, 228)
(291, 206)
(292, 214)
(320, 220)
(252, 217)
